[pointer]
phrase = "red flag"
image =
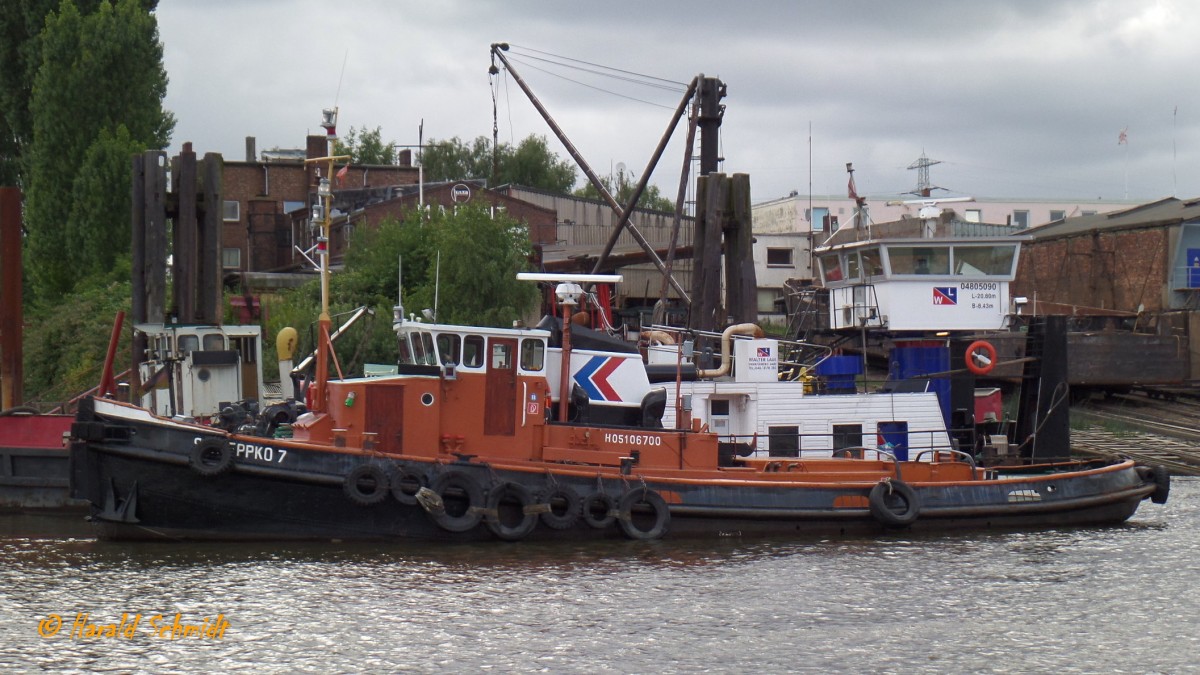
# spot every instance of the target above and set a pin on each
(1122, 139)
(341, 174)
(853, 193)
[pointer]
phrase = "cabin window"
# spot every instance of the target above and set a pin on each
(779, 257)
(872, 263)
(533, 354)
(501, 356)
(188, 344)
(214, 342)
(831, 267)
(473, 351)
(783, 441)
(919, 259)
(847, 436)
(449, 348)
(981, 260)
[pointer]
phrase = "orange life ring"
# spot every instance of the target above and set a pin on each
(990, 355)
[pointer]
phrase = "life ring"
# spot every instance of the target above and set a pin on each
(211, 457)
(366, 484)
(989, 356)
(462, 500)
(406, 483)
(510, 513)
(563, 507)
(886, 496)
(1162, 484)
(637, 503)
(599, 510)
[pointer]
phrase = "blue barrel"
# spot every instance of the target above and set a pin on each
(915, 358)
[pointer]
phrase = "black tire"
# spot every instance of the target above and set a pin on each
(22, 410)
(599, 510)
(406, 483)
(1162, 484)
(564, 507)
(894, 504)
(211, 457)
(644, 514)
(366, 484)
(510, 513)
(463, 500)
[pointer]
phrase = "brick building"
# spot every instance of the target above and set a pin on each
(262, 194)
(1146, 258)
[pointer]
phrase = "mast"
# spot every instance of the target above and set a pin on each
(325, 196)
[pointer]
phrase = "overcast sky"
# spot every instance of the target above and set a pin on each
(1016, 98)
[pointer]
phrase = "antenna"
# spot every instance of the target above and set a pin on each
(398, 310)
(342, 76)
(437, 283)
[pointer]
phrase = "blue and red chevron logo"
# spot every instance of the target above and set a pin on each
(593, 378)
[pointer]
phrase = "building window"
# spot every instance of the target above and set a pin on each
(1056, 214)
(289, 206)
(232, 212)
(231, 258)
(779, 257)
(974, 216)
(1021, 219)
(1088, 213)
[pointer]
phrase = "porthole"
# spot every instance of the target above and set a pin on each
(427, 399)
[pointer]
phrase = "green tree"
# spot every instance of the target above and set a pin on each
(651, 197)
(98, 72)
(531, 163)
(366, 147)
(477, 285)
(21, 25)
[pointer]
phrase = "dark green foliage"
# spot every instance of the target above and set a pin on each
(65, 348)
(651, 197)
(366, 147)
(97, 95)
(531, 163)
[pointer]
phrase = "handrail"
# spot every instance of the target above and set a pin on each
(969, 458)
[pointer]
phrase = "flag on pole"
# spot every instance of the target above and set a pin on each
(852, 192)
(1122, 138)
(341, 174)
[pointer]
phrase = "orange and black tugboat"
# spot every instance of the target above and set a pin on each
(517, 434)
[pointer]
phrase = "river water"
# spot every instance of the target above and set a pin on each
(1111, 600)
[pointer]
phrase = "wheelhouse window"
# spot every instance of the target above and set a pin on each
(188, 344)
(449, 347)
(416, 348)
(852, 265)
(533, 354)
(473, 351)
(214, 342)
(831, 267)
(984, 260)
(919, 259)
(872, 262)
